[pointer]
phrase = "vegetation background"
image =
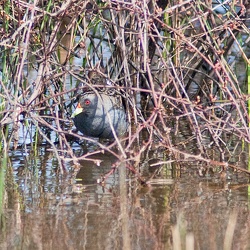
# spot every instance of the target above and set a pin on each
(183, 70)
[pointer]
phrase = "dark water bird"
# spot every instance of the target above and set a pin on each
(100, 114)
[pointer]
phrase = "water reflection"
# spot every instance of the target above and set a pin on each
(53, 211)
(185, 206)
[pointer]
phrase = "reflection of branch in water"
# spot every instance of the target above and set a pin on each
(229, 235)
(120, 164)
(124, 216)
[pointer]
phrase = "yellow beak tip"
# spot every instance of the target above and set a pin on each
(76, 112)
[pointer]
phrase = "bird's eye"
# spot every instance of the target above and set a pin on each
(87, 102)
